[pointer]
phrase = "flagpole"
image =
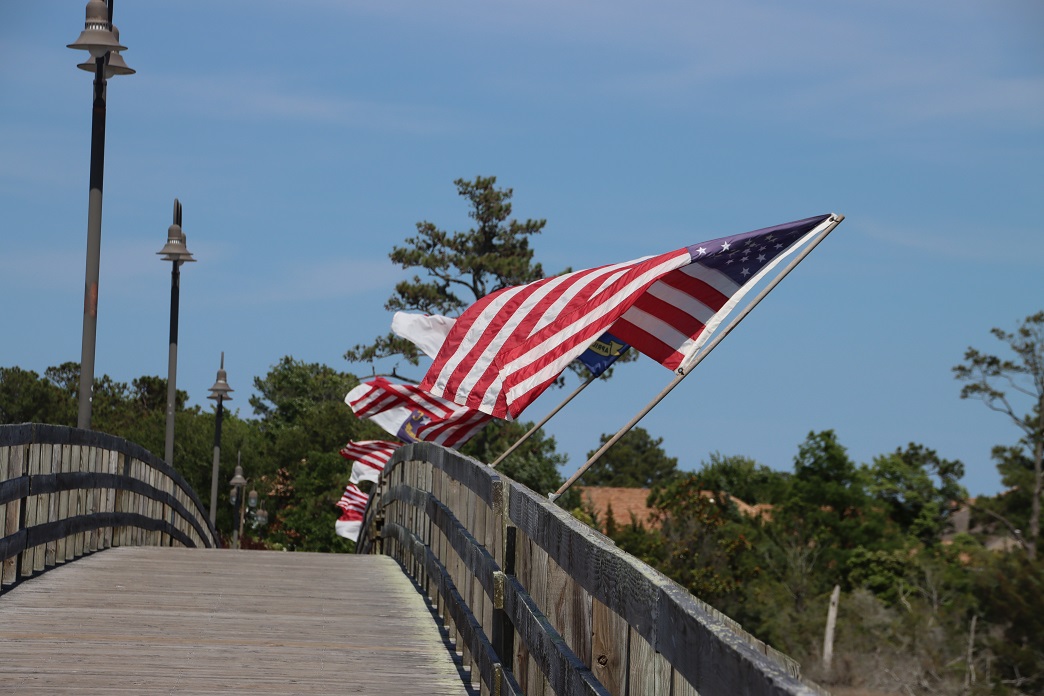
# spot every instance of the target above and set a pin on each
(684, 371)
(539, 425)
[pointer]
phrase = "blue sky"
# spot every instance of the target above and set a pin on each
(305, 139)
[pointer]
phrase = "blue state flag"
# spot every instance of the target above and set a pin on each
(602, 353)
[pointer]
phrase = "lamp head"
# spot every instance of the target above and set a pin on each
(114, 64)
(97, 36)
(220, 390)
(175, 250)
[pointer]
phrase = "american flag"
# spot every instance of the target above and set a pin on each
(353, 509)
(413, 415)
(508, 347)
(368, 458)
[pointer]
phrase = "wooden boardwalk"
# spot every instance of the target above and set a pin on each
(184, 621)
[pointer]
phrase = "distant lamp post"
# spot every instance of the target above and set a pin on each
(238, 483)
(100, 39)
(220, 393)
(177, 253)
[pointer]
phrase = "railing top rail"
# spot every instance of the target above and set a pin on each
(40, 433)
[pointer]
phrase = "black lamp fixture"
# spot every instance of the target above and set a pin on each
(177, 253)
(101, 41)
(220, 392)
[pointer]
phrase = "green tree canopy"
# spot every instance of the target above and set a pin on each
(25, 397)
(827, 514)
(702, 542)
(637, 460)
(458, 267)
(303, 422)
(920, 488)
(744, 478)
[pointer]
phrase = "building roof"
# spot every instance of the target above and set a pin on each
(625, 503)
(630, 503)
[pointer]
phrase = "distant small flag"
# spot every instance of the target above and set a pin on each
(508, 347)
(353, 510)
(413, 415)
(368, 458)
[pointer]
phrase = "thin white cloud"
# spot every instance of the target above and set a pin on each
(238, 98)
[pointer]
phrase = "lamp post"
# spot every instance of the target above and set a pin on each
(238, 483)
(220, 393)
(100, 38)
(177, 253)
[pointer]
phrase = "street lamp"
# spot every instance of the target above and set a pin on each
(238, 483)
(220, 393)
(177, 253)
(99, 39)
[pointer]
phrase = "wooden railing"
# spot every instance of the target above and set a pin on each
(538, 603)
(66, 492)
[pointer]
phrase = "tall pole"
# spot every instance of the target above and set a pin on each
(172, 359)
(101, 39)
(94, 217)
(219, 392)
(177, 253)
(235, 522)
(217, 463)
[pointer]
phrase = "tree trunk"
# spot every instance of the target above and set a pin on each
(828, 636)
(1038, 483)
(969, 675)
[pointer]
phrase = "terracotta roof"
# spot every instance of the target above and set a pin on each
(626, 502)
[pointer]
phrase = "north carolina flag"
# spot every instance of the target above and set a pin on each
(602, 353)
(508, 347)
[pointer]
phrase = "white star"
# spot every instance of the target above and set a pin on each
(701, 251)
(761, 258)
(779, 246)
(745, 273)
(726, 246)
(729, 261)
(745, 257)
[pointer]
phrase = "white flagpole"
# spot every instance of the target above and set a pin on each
(539, 425)
(683, 372)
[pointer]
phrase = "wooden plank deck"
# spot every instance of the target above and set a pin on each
(186, 621)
